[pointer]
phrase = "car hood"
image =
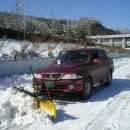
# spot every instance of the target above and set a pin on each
(64, 68)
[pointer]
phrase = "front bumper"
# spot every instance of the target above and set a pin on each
(64, 86)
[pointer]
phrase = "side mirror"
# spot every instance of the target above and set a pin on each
(96, 61)
(58, 62)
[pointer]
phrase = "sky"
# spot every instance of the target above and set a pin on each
(112, 13)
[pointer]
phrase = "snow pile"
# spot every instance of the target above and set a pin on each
(17, 80)
(62, 47)
(8, 46)
(59, 48)
(18, 108)
(8, 49)
(121, 62)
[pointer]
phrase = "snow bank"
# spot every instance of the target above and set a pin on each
(121, 62)
(18, 108)
(62, 47)
(8, 46)
(17, 80)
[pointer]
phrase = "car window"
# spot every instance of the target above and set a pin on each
(102, 54)
(85, 55)
(71, 56)
(95, 54)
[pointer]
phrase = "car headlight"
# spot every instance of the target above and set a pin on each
(37, 76)
(71, 76)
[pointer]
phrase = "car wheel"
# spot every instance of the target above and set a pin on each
(108, 79)
(87, 88)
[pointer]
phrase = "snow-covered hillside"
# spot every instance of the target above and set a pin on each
(107, 109)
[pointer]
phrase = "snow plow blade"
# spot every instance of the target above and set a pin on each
(47, 105)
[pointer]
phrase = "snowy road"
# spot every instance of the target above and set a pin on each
(107, 109)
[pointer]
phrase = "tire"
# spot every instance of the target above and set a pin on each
(108, 79)
(87, 88)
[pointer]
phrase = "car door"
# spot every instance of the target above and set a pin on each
(96, 67)
(104, 63)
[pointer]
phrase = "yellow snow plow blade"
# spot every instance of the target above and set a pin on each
(48, 106)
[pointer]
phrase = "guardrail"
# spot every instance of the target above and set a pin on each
(7, 68)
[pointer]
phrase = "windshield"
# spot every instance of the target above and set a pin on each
(73, 56)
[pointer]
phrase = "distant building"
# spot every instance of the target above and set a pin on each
(121, 40)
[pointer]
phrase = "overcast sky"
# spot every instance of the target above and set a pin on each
(112, 13)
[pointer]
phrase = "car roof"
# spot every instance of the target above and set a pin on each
(85, 49)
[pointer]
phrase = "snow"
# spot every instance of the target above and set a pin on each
(107, 109)
(7, 48)
(9, 45)
(17, 107)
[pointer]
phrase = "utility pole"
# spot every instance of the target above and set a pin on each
(24, 20)
(17, 16)
(19, 13)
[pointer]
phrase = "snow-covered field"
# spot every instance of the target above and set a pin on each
(107, 109)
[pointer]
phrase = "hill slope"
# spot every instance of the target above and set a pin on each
(41, 29)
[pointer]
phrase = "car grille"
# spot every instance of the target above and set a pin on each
(51, 76)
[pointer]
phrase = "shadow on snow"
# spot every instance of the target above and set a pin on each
(101, 93)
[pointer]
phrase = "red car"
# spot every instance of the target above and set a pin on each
(77, 70)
